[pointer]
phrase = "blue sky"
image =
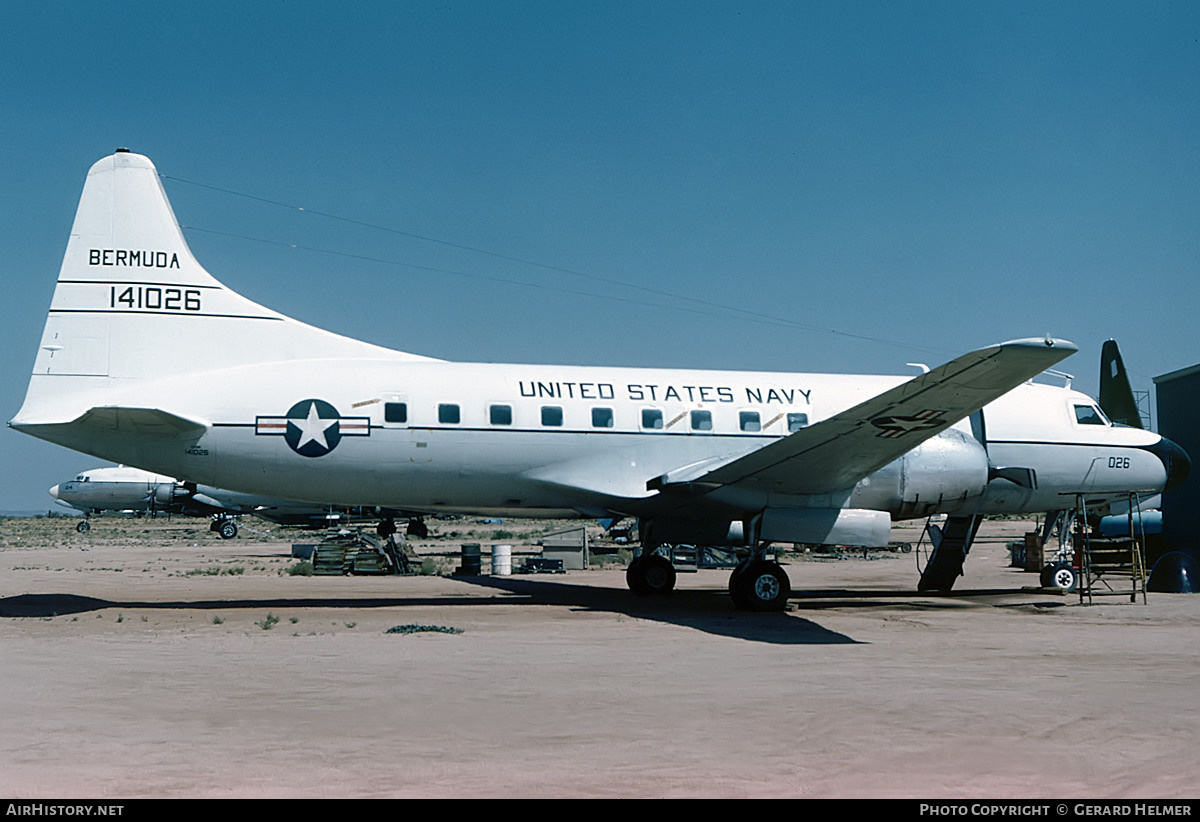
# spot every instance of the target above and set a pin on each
(833, 186)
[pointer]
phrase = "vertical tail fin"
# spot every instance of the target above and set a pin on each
(132, 302)
(1116, 394)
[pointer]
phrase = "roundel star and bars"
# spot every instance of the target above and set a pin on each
(312, 427)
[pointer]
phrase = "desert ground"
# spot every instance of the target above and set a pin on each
(150, 658)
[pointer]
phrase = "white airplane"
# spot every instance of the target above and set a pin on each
(261, 403)
(123, 488)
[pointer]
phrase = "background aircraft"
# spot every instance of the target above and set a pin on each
(122, 488)
(1116, 394)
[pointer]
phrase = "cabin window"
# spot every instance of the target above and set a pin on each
(552, 415)
(395, 412)
(652, 418)
(797, 421)
(701, 420)
(448, 413)
(500, 414)
(1089, 415)
(749, 421)
(602, 418)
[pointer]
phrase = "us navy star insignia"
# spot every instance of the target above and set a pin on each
(893, 427)
(312, 427)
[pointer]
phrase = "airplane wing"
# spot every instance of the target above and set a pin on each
(841, 450)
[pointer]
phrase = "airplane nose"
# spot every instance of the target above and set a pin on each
(54, 491)
(1175, 460)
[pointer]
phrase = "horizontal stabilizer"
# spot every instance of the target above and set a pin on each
(104, 422)
(142, 422)
(130, 435)
(839, 451)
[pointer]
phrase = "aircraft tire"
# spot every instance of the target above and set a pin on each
(633, 576)
(227, 529)
(652, 575)
(736, 588)
(1061, 576)
(760, 585)
(83, 527)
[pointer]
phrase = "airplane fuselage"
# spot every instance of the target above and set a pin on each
(582, 441)
(113, 489)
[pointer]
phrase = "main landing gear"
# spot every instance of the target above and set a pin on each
(759, 585)
(650, 574)
(416, 527)
(224, 527)
(756, 584)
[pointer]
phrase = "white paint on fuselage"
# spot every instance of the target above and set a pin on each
(577, 469)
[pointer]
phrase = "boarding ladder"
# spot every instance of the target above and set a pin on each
(1101, 560)
(951, 542)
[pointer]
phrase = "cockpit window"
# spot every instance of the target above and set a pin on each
(1089, 415)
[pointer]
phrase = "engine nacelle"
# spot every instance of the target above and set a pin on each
(680, 531)
(941, 474)
(826, 526)
(167, 492)
(814, 526)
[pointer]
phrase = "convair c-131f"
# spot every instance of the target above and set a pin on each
(122, 488)
(260, 403)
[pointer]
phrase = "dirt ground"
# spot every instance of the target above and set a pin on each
(153, 659)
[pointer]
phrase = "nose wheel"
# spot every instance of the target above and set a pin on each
(1061, 576)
